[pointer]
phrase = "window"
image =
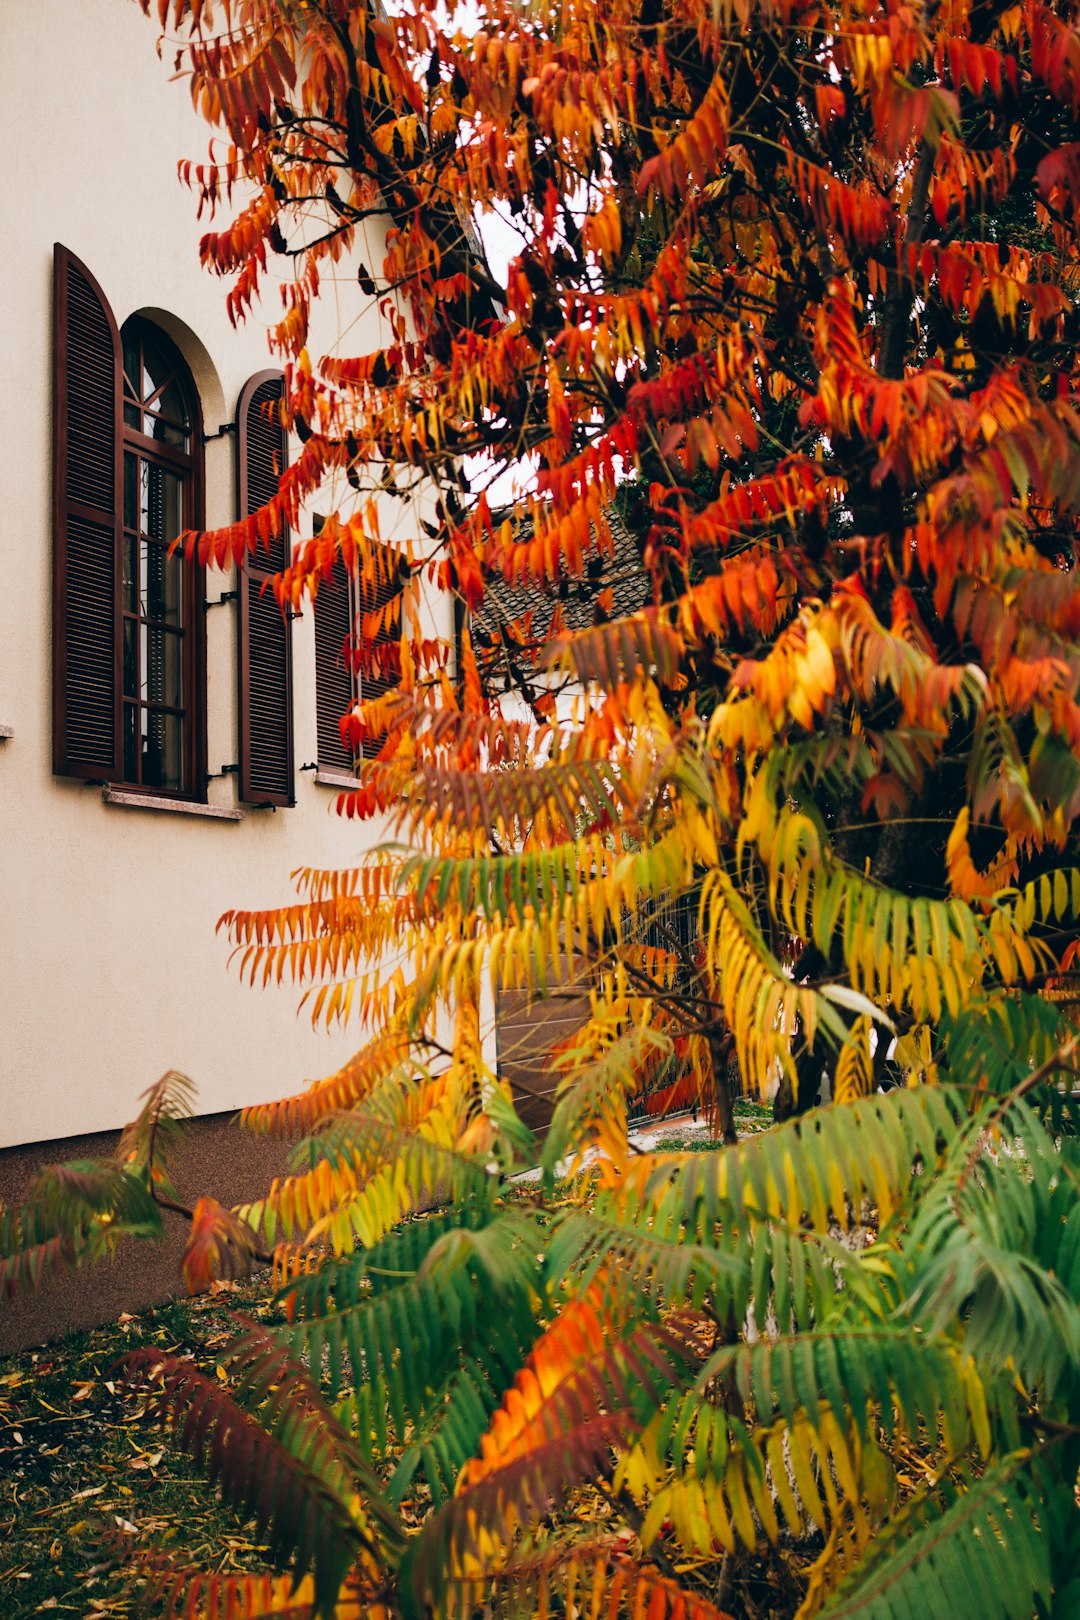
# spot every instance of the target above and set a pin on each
(128, 619)
(161, 609)
(339, 684)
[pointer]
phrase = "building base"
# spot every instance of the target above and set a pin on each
(216, 1159)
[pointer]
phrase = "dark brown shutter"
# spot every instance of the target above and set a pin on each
(372, 685)
(265, 635)
(87, 517)
(334, 682)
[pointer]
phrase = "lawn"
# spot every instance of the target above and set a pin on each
(80, 1462)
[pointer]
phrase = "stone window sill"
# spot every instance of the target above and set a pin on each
(337, 779)
(6, 732)
(182, 807)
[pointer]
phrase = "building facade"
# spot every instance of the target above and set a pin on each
(168, 742)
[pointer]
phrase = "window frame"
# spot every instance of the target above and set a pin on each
(190, 465)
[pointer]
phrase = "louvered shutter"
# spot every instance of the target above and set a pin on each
(87, 516)
(334, 685)
(265, 635)
(372, 685)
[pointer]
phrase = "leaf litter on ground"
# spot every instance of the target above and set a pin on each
(79, 1460)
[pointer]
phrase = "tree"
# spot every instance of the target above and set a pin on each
(791, 335)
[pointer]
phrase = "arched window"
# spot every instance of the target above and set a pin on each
(161, 602)
(129, 704)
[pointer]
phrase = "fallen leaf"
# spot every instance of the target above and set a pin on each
(145, 1460)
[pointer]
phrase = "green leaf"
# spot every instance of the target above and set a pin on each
(987, 1554)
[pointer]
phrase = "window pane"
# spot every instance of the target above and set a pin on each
(131, 573)
(171, 403)
(161, 502)
(162, 750)
(162, 666)
(172, 506)
(131, 364)
(162, 585)
(164, 398)
(131, 658)
(131, 484)
(165, 432)
(131, 742)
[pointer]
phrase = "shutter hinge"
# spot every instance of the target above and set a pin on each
(223, 431)
(226, 770)
(226, 596)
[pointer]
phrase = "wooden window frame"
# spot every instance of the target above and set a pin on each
(190, 466)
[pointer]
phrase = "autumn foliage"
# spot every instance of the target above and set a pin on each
(755, 478)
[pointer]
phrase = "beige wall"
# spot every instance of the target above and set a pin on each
(110, 970)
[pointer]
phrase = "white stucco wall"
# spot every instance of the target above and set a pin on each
(110, 970)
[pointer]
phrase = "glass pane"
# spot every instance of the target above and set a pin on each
(161, 502)
(131, 742)
(131, 658)
(162, 585)
(131, 365)
(149, 498)
(162, 666)
(161, 389)
(131, 574)
(131, 485)
(152, 379)
(170, 421)
(162, 749)
(173, 506)
(172, 404)
(165, 432)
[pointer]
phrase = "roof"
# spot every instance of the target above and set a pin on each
(622, 573)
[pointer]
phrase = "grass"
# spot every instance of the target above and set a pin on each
(79, 1461)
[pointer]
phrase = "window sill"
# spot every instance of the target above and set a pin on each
(337, 779)
(6, 733)
(183, 807)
